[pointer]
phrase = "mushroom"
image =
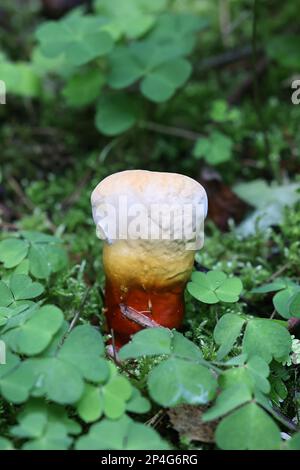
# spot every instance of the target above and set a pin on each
(152, 224)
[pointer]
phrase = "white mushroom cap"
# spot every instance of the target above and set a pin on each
(136, 192)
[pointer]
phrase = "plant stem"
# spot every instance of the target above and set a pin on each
(256, 96)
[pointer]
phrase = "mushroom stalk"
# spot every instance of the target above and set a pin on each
(152, 224)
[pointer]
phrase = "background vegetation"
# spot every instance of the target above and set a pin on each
(195, 87)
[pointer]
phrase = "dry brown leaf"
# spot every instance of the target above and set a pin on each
(187, 421)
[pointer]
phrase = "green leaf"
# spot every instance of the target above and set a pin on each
(125, 68)
(83, 88)
(215, 149)
(176, 381)
(16, 379)
(6, 297)
(39, 263)
(5, 444)
(267, 339)
(56, 256)
(230, 290)
(270, 287)
(259, 370)
(31, 425)
(83, 348)
(35, 334)
(269, 201)
(23, 288)
(184, 348)
(292, 444)
(179, 28)
(37, 415)
(282, 299)
(237, 375)
(294, 305)
(256, 430)
(54, 437)
(137, 403)
(228, 400)
(80, 38)
(60, 381)
(161, 84)
(90, 406)
(115, 114)
(19, 315)
(20, 79)
(131, 18)
(122, 434)
(22, 268)
(13, 251)
(115, 394)
(150, 342)
(214, 286)
(226, 332)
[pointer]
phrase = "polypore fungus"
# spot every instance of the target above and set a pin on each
(152, 224)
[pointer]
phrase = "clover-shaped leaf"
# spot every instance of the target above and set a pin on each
(181, 377)
(176, 381)
(215, 149)
(228, 400)
(46, 426)
(43, 253)
(61, 372)
(294, 305)
(282, 300)
(83, 88)
(256, 430)
(115, 114)
(112, 399)
(266, 338)
(32, 336)
(109, 399)
(59, 381)
(214, 287)
(160, 341)
(226, 333)
(137, 403)
(161, 84)
(179, 29)
(20, 287)
(254, 375)
(83, 348)
(16, 379)
(122, 434)
(161, 69)
(132, 18)
(79, 38)
(286, 290)
(151, 341)
(13, 251)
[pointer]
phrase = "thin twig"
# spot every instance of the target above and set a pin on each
(19, 191)
(224, 21)
(153, 422)
(113, 342)
(78, 312)
(273, 314)
(256, 97)
(169, 130)
(277, 273)
(226, 58)
(138, 317)
(26, 201)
